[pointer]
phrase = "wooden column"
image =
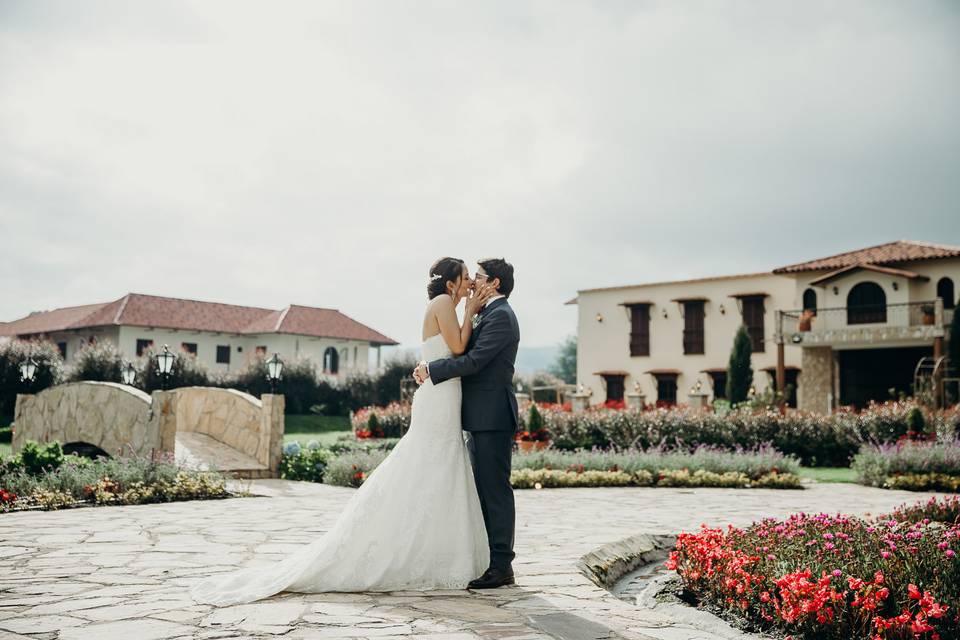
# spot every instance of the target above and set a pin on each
(937, 348)
(781, 370)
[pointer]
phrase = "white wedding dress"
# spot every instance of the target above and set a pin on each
(414, 524)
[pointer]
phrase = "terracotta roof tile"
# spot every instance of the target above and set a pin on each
(883, 254)
(141, 310)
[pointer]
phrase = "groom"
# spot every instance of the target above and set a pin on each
(489, 413)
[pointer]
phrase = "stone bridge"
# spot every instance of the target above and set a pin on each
(206, 427)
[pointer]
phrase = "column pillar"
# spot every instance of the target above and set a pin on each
(270, 448)
(163, 412)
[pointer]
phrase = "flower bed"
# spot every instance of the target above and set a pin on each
(831, 576)
(391, 421)
(41, 477)
(817, 440)
(911, 465)
(555, 478)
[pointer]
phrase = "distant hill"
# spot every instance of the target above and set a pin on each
(533, 359)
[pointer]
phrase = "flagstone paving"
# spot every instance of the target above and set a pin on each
(118, 573)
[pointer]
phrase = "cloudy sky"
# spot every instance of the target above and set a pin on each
(325, 153)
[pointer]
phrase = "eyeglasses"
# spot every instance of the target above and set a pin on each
(481, 275)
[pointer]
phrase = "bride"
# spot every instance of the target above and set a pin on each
(416, 523)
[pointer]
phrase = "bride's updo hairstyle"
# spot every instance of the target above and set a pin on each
(443, 271)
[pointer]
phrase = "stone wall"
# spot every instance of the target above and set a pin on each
(111, 416)
(816, 387)
(226, 415)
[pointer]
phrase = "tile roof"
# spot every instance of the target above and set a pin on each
(882, 254)
(141, 310)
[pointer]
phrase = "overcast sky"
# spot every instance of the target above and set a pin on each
(325, 153)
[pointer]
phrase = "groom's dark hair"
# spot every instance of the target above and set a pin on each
(499, 268)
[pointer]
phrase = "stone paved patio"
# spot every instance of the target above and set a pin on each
(122, 573)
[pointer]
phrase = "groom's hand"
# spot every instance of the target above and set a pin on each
(421, 373)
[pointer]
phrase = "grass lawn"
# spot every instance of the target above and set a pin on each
(310, 423)
(5, 450)
(828, 474)
(324, 429)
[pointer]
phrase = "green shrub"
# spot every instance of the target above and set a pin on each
(879, 465)
(307, 463)
(352, 468)
(12, 354)
(100, 362)
(6, 435)
(34, 459)
(739, 371)
(187, 371)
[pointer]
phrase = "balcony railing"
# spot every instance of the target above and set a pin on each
(865, 324)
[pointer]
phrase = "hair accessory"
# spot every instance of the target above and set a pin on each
(435, 276)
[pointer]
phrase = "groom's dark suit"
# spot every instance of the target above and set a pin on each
(490, 416)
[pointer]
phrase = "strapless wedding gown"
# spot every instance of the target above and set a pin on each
(414, 524)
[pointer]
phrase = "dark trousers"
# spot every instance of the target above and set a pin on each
(490, 452)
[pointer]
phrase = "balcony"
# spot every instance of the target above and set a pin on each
(883, 324)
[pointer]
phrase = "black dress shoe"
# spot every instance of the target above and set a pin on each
(493, 578)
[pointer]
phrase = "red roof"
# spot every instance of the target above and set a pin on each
(141, 310)
(883, 254)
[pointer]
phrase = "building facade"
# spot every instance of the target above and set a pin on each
(872, 317)
(223, 337)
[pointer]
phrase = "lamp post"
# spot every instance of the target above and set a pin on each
(28, 371)
(165, 365)
(274, 371)
(128, 375)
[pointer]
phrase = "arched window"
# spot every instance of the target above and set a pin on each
(331, 361)
(866, 303)
(945, 291)
(810, 301)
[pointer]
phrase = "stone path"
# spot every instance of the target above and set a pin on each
(118, 573)
(200, 451)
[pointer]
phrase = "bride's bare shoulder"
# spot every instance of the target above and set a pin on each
(440, 304)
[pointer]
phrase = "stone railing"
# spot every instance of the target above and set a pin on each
(124, 420)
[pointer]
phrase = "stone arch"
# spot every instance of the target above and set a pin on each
(107, 415)
(84, 450)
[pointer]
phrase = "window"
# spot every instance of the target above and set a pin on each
(719, 380)
(666, 390)
(331, 361)
(640, 330)
(223, 354)
(262, 350)
(693, 327)
(62, 346)
(866, 303)
(143, 345)
(355, 350)
(945, 291)
(189, 347)
(810, 301)
(753, 320)
(614, 384)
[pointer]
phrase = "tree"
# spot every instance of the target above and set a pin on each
(565, 365)
(739, 371)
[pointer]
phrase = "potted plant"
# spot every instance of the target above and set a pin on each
(929, 314)
(535, 437)
(806, 319)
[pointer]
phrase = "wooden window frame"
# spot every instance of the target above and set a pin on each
(223, 349)
(143, 344)
(756, 330)
(639, 330)
(694, 338)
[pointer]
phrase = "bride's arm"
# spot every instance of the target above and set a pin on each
(454, 334)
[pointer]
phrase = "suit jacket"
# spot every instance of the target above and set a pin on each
(486, 371)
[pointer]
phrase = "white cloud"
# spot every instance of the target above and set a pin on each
(326, 153)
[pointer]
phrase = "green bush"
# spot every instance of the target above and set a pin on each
(352, 468)
(100, 362)
(6, 435)
(305, 463)
(920, 463)
(816, 439)
(739, 371)
(187, 371)
(34, 459)
(15, 352)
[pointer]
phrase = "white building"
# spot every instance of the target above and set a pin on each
(224, 337)
(872, 316)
